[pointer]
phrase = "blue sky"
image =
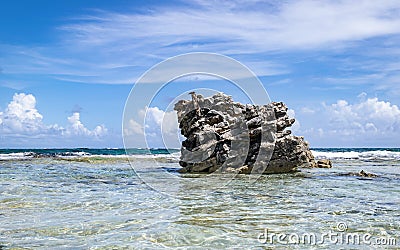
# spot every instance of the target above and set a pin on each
(67, 67)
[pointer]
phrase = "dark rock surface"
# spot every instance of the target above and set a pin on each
(365, 174)
(226, 136)
(362, 174)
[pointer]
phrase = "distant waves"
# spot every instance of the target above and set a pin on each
(363, 154)
(378, 154)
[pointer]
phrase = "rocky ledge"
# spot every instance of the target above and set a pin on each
(227, 136)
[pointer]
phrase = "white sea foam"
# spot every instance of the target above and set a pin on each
(173, 156)
(17, 156)
(73, 154)
(366, 155)
(77, 155)
(381, 155)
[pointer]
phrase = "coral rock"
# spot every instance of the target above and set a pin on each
(226, 136)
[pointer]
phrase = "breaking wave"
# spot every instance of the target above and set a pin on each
(358, 154)
(163, 155)
(172, 155)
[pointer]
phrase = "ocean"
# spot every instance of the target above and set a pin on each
(135, 199)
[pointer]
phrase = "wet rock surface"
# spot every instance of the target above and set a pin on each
(362, 174)
(227, 136)
(324, 163)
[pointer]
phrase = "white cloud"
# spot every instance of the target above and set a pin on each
(307, 110)
(366, 122)
(129, 43)
(368, 116)
(21, 115)
(160, 128)
(155, 117)
(77, 128)
(233, 27)
(133, 128)
(21, 118)
(296, 125)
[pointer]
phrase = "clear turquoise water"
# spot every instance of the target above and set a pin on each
(99, 202)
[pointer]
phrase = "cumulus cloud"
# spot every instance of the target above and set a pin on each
(368, 116)
(21, 117)
(76, 127)
(158, 127)
(365, 122)
(133, 128)
(157, 118)
(296, 125)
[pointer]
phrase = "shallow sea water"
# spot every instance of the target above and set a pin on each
(103, 204)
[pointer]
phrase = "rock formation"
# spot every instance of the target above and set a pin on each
(324, 163)
(227, 136)
(362, 174)
(365, 174)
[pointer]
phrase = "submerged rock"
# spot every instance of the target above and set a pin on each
(227, 136)
(324, 163)
(362, 173)
(365, 174)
